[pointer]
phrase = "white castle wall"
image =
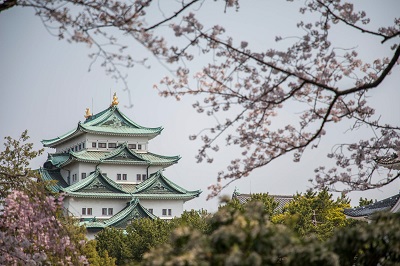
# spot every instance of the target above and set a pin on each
(176, 207)
(75, 205)
(110, 169)
(87, 139)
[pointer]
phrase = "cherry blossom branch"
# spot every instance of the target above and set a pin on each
(385, 37)
(184, 7)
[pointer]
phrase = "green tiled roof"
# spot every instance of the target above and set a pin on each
(108, 122)
(57, 159)
(158, 186)
(133, 210)
(96, 184)
(121, 155)
(53, 179)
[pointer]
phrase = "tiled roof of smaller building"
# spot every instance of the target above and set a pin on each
(282, 200)
(365, 211)
(392, 162)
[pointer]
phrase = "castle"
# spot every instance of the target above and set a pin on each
(107, 174)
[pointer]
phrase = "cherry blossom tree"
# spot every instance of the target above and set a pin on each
(30, 233)
(330, 83)
(34, 229)
(14, 165)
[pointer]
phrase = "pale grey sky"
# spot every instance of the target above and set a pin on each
(45, 87)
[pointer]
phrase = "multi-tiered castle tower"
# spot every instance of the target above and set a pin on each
(107, 174)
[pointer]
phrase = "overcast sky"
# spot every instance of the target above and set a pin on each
(45, 87)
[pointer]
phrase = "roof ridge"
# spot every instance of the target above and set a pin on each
(145, 185)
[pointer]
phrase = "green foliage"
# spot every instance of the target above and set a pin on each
(245, 236)
(95, 258)
(240, 237)
(375, 243)
(198, 220)
(14, 165)
(129, 246)
(142, 234)
(269, 203)
(314, 213)
(115, 242)
(365, 202)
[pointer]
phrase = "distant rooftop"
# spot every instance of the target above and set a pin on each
(388, 204)
(391, 162)
(282, 200)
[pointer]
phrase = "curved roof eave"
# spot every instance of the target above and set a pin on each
(51, 143)
(98, 195)
(166, 196)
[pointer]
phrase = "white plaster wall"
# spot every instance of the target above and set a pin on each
(110, 169)
(88, 138)
(114, 139)
(77, 168)
(71, 143)
(75, 206)
(158, 205)
(64, 174)
(131, 170)
(155, 168)
(91, 235)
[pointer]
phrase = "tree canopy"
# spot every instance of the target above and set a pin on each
(34, 228)
(314, 213)
(247, 237)
(247, 87)
(14, 165)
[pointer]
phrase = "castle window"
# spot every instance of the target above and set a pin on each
(83, 211)
(150, 211)
(83, 175)
(118, 176)
(144, 177)
(80, 147)
(76, 148)
(112, 145)
(104, 211)
(94, 145)
(110, 211)
(83, 145)
(139, 177)
(165, 211)
(89, 211)
(132, 146)
(124, 176)
(139, 146)
(102, 145)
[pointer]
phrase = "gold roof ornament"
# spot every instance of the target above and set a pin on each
(115, 100)
(87, 113)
